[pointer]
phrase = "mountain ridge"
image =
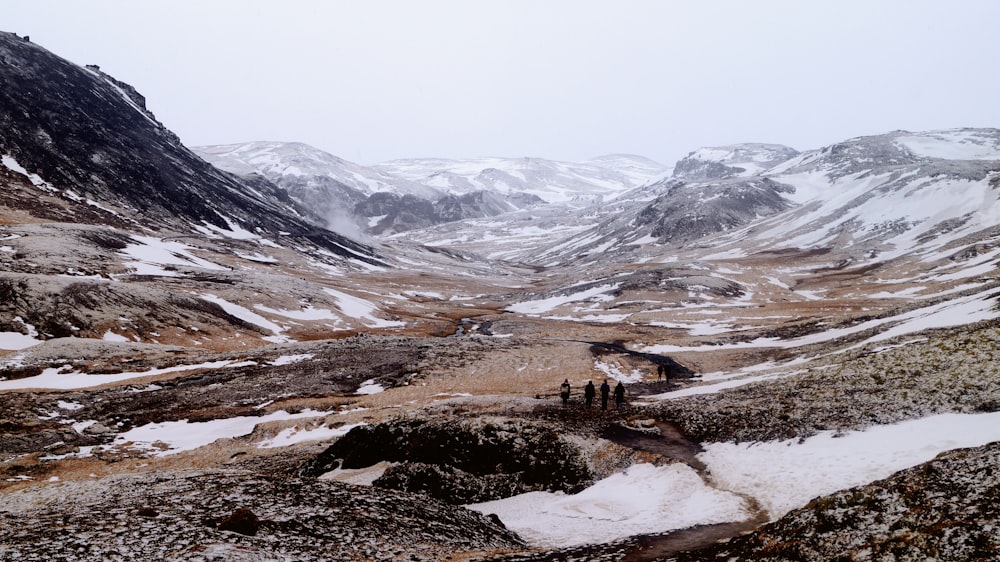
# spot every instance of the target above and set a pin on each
(72, 126)
(401, 195)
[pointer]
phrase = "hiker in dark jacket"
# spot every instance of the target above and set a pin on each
(589, 392)
(564, 391)
(619, 395)
(605, 391)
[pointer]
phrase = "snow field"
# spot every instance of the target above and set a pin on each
(952, 145)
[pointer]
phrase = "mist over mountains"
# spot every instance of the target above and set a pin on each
(263, 351)
(407, 194)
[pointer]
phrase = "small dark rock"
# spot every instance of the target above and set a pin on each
(146, 511)
(242, 521)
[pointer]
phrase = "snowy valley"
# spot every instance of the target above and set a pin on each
(266, 352)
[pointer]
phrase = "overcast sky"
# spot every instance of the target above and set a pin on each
(372, 80)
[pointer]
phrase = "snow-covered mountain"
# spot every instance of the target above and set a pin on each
(302, 165)
(888, 195)
(568, 183)
(738, 160)
(885, 195)
(406, 194)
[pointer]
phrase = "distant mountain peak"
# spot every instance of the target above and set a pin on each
(736, 160)
(552, 181)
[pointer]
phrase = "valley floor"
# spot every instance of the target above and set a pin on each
(776, 401)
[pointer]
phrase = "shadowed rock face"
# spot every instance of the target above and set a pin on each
(686, 213)
(461, 461)
(84, 131)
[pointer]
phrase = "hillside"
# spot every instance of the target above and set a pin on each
(193, 367)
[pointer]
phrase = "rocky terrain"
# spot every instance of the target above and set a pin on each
(192, 367)
(236, 515)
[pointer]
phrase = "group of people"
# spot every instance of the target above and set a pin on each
(590, 392)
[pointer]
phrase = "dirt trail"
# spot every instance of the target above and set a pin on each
(672, 443)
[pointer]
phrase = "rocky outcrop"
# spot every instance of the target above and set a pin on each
(242, 521)
(686, 212)
(945, 510)
(461, 460)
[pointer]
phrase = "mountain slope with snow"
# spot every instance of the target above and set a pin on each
(295, 163)
(399, 196)
(871, 197)
(882, 197)
(575, 184)
(739, 160)
(94, 143)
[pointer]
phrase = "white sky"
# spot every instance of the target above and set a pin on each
(565, 79)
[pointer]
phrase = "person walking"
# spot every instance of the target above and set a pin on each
(619, 395)
(605, 391)
(564, 391)
(589, 392)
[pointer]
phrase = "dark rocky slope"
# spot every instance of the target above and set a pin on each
(684, 212)
(85, 132)
(399, 213)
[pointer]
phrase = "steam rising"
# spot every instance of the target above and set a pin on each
(344, 224)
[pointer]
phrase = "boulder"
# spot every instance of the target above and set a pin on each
(242, 521)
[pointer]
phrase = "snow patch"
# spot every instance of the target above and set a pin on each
(63, 378)
(289, 359)
(295, 435)
(541, 306)
(785, 475)
(370, 387)
(361, 309)
(251, 317)
(644, 499)
(170, 438)
(153, 255)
